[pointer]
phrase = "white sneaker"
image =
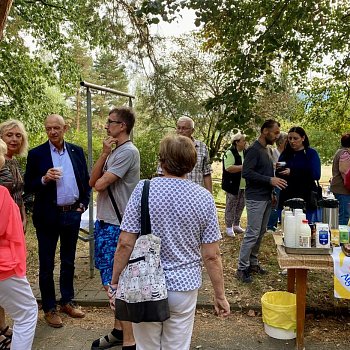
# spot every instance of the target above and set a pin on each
(238, 229)
(230, 232)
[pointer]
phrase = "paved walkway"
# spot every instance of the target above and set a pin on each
(90, 292)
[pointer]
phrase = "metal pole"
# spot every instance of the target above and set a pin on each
(89, 86)
(103, 88)
(90, 163)
(132, 131)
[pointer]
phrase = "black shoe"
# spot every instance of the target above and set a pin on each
(257, 269)
(244, 276)
(106, 342)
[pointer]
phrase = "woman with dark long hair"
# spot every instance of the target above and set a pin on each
(303, 168)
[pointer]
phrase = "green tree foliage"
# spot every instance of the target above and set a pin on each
(255, 39)
(54, 26)
(110, 72)
(184, 79)
(326, 115)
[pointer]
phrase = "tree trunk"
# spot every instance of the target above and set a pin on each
(5, 6)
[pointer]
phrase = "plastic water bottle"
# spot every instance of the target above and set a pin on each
(285, 213)
(304, 234)
(299, 217)
(289, 231)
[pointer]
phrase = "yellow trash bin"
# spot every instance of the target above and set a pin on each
(279, 314)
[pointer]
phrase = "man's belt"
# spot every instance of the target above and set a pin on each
(70, 207)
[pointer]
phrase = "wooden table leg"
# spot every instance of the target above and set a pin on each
(301, 279)
(291, 280)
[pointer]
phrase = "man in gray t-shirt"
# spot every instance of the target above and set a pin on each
(117, 169)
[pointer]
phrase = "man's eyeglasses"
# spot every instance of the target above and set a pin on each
(182, 128)
(109, 121)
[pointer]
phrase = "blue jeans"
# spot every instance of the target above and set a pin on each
(258, 213)
(66, 228)
(344, 208)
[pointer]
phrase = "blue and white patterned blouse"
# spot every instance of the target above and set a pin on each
(183, 215)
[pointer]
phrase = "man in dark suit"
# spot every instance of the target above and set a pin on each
(57, 174)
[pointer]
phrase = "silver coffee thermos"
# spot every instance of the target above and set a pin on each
(330, 212)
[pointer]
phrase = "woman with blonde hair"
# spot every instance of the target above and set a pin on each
(13, 133)
(15, 138)
(16, 296)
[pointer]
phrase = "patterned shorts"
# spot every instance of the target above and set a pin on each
(106, 240)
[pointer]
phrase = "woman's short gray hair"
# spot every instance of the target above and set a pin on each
(10, 124)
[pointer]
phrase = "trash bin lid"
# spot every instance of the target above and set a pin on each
(295, 203)
(329, 203)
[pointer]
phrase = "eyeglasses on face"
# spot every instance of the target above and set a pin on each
(182, 128)
(109, 121)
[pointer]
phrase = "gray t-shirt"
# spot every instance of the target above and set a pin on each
(123, 162)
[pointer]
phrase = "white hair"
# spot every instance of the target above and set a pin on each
(186, 119)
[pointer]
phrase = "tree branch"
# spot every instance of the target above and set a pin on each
(46, 4)
(9, 88)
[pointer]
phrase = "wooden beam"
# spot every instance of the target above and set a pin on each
(5, 6)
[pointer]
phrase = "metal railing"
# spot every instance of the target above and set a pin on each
(89, 235)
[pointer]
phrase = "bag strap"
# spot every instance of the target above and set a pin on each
(114, 204)
(145, 219)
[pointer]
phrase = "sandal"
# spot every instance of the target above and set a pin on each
(106, 342)
(5, 342)
(6, 331)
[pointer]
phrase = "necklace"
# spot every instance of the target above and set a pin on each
(121, 144)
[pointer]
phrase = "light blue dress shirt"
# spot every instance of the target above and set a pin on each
(67, 188)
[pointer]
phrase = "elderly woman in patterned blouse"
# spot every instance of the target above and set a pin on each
(183, 215)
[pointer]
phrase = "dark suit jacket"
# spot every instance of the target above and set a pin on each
(45, 203)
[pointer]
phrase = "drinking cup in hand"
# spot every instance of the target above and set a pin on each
(280, 166)
(59, 171)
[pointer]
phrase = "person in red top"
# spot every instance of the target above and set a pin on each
(16, 296)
